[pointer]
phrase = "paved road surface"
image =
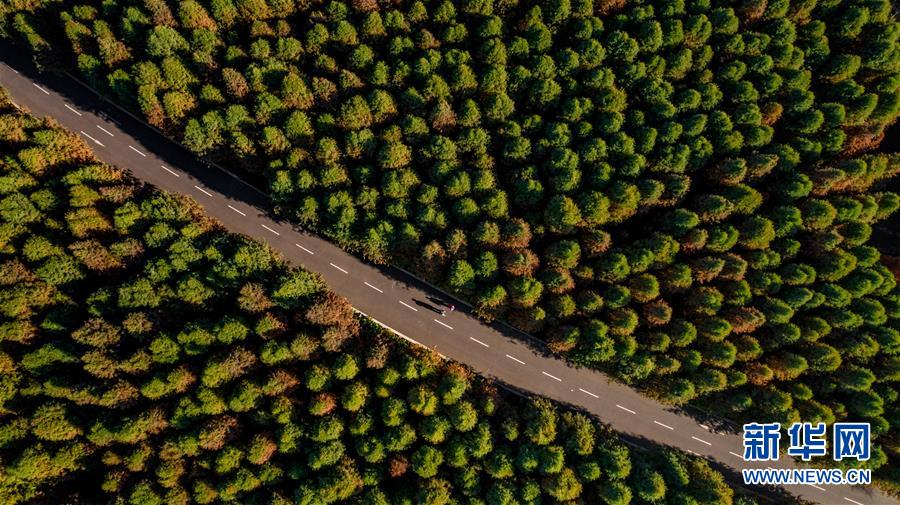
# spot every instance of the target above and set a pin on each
(391, 297)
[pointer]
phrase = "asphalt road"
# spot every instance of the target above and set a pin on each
(391, 297)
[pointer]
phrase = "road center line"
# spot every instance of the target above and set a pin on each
(373, 287)
(73, 110)
(239, 212)
(588, 393)
(339, 268)
(817, 487)
(852, 501)
(40, 88)
(305, 249)
(517, 360)
(736, 455)
(104, 130)
(9, 66)
(666, 426)
(167, 169)
(408, 306)
(443, 324)
(205, 192)
(551, 376)
(478, 341)
(92, 138)
(626, 409)
(270, 229)
(701, 441)
(135, 150)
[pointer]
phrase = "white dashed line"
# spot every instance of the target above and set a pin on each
(626, 409)
(239, 212)
(551, 376)
(736, 455)
(478, 341)
(271, 230)
(443, 324)
(666, 426)
(92, 138)
(817, 487)
(15, 105)
(40, 88)
(517, 360)
(73, 110)
(339, 268)
(701, 441)
(408, 306)
(135, 150)
(588, 393)
(305, 249)
(852, 501)
(167, 169)
(205, 192)
(373, 287)
(104, 130)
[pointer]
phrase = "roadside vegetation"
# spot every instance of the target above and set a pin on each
(149, 357)
(678, 192)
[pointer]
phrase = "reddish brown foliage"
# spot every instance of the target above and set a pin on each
(759, 374)
(397, 466)
(262, 449)
(596, 243)
(253, 298)
(560, 345)
(771, 113)
(279, 382)
(377, 353)
(95, 256)
(14, 271)
(323, 404)
(330, 309)
(365, 5)
(744, 319)
(657, 312)
(521, 263)
(606, 7)
(861, 139)
(217, 431)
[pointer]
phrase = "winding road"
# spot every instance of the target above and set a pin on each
(391, 297)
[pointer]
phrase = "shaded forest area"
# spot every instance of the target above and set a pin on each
(678, 192)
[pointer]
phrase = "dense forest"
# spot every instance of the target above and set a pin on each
(149, 356)
(678, 191)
